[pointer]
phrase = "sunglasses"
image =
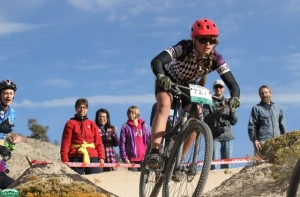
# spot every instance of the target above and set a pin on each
(203, 40)
(218, 86)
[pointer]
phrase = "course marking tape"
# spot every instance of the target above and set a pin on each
(119, 165)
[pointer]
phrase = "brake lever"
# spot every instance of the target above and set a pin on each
(177, 89)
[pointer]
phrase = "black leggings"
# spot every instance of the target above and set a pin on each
(5, 180)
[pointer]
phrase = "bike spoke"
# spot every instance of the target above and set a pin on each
(189, 178)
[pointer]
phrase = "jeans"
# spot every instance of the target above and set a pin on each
(85, 170)
(225, 148)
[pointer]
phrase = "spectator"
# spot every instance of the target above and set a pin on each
(109, 137)
(220, 118)
(7, 118)
(81, 141)
(266, 120)
(134, 138)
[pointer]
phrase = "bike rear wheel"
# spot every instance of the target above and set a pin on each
(185, 179)
(294, 186)
(150, 180)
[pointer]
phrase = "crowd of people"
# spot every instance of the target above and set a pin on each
(84, 140)
(187, 62)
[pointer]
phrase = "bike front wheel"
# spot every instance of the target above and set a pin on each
(187, 177)
(150, 180)
(294, 186)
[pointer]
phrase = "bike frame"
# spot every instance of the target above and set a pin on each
(192, 113)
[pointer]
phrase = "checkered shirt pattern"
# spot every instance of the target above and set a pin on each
(184, 66)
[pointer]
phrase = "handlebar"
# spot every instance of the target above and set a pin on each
(221, 101)
(176, 88)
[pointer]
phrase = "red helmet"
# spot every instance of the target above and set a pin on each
(204, 27)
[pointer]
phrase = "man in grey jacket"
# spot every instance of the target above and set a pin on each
(220, 118)
(266, 120)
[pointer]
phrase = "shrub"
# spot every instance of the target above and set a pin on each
(52, 187)
(283, 152)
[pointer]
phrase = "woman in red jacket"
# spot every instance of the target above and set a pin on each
(81, 141)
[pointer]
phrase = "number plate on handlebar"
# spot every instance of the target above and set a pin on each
(200, 94)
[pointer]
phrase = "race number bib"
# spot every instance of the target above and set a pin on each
(200, 94)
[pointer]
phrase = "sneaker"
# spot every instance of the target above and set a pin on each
(153, 161)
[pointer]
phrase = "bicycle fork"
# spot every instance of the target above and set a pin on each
(190, 168)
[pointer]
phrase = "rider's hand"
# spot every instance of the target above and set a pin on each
(234, 102)
(6, 127)
(164, 81)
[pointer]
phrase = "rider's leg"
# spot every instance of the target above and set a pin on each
(187, 144)
(190, 139)
(164, 101)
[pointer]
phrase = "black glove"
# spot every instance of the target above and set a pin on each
(6, 127)
(164, 81)
(234, 102)
(5, 153)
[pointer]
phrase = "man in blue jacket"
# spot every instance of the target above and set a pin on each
(266, 120)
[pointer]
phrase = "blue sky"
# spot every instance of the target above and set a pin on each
(60, 50)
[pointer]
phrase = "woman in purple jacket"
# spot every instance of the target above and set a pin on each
(134, 138)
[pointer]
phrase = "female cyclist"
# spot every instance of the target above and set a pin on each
(187, 62)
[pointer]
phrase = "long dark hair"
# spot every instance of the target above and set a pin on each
(102, 110)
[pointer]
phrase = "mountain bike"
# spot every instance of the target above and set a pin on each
(294, 186)
(180, 172)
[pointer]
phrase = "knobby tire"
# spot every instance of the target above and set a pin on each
(150, 182)
(294, 186)
(191, 185)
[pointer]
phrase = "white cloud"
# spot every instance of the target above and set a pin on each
(58, 83)
(166, 20)
(93, 100)
(291, 63)
(142, 71)
(108, 52)
(247, 99)
(93, 5)
(13, 27)
(93, 67)
(162, 34)
(124, 11)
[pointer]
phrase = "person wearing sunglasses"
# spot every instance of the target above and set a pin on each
(220, 119)
(187, 62)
